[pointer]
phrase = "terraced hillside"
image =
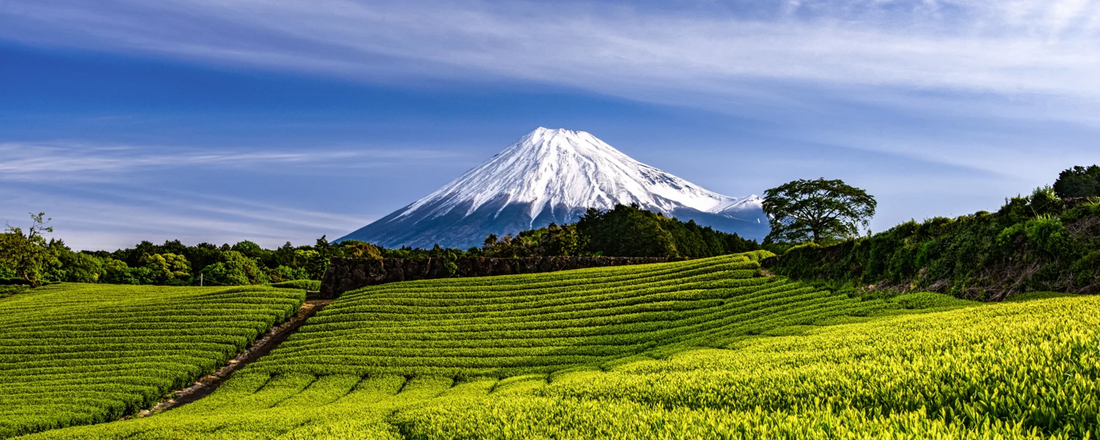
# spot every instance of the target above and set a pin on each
(498, 358)
(443, 331)
(505, 326)
(1028, 370)
(84, 353)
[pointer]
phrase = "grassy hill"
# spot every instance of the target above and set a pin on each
(85, 353)
(539, 323)
(696, 349)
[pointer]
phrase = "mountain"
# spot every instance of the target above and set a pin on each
(554, 176)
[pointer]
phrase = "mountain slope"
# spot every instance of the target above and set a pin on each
(553, 176)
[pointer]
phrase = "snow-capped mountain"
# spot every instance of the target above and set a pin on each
(553, 176)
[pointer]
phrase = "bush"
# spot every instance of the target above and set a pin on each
(1047, 236)
(285, 273)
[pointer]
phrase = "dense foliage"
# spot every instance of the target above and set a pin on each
(1078, 182)
(76, 354)
(26, 255)
(625, 231)
(176, 264)
(1037, 242)
(939, 375)
(816, 210)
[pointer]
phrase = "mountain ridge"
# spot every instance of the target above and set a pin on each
(553, 175)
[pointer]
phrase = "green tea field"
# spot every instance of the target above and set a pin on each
(85, 353)
(705, 348)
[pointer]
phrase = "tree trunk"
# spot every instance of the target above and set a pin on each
(33, 283)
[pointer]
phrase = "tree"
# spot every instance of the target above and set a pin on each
(286, 273)
(313, 262)
(1078, 182)
(816, 210)
(27, 254)
(118, 272)
(627, 231)
(233, 269)
(171, 269)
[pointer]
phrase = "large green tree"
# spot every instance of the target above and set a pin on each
(627, 231)
(817, 210)
(233, 269)
(27, 254)
(170, 269)
(1078, 182)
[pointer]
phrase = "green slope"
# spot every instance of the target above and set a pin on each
(1012, 370)
(505, 326)
(74, 354)
(566, 355)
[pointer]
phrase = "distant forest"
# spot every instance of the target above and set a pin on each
(622, 231)
(625, 231)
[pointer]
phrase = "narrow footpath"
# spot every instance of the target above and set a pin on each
(261, 347)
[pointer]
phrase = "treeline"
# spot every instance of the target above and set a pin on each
(1049, 240)
(625, 231)
(628, 231)
(28, 258)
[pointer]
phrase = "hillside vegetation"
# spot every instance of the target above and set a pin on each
(703, 347)
(75, 354)
(694, 349)
(505, 326)
(939, 375)
(1036, 243)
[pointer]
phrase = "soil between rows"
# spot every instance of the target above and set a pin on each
(261, 347)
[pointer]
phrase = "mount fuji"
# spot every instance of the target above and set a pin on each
(554, 176)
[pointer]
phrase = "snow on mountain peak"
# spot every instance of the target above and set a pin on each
(549, 168)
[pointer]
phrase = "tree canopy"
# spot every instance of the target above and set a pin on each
(1078, 181)
(624, 231)
(27, 254)
(817, 210)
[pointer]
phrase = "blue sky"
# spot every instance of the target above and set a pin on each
(227, 120)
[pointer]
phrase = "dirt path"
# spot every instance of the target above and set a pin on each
(261, 347)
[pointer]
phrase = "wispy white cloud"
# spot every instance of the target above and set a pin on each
(105, 196)
(112, 218)
(68, 161)
(796, 65)
(1028, 46)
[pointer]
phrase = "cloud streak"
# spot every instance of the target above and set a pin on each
(52, 161)
(111, 218)
(1005, 90)
(1017, 46)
